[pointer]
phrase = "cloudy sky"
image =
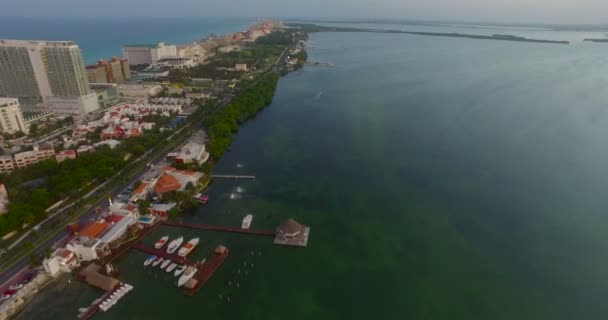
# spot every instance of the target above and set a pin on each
(548, 11)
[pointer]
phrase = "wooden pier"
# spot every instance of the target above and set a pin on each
(206, 271)
(210, 227)
(232, 176)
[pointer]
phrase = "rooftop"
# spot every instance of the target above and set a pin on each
(93, 230)
(166, 183)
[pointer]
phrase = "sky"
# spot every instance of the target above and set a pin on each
(518, 11)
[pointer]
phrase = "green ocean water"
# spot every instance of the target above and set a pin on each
(442, 178)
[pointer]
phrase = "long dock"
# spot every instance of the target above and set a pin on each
(207, 271)
(210, 227)
(161, 253)
(232, 176)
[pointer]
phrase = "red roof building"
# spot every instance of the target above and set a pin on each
(166, 183)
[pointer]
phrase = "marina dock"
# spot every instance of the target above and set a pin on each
(210, 227)
(207, 270)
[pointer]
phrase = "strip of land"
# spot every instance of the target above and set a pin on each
(500, 37)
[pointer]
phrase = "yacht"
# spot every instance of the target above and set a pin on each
(161, 242)
(180, 270)
(173, 245)
(188, 274)
(188, 247)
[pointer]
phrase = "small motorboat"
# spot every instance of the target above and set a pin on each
(157, 261)
(201, 198)
(161, 242)
(171, 267)
(149, 260)
(180, 270)
(165, 264)
(16, 286)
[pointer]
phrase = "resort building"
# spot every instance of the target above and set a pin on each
(49, 73)
(184, 176)
(64, 155)
(4, 202)
(41, 152)
(11, 117)
(189, 153)
(62, 260)
(86, 248)
(177, 63)
(116, 70)
(6, 164)
(138, 91)
(140, 54)
(161, 209)
(166, 183)
(107, 93)
(240, 67)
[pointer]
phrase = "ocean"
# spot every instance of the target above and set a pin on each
(102, 38)
(442, 178)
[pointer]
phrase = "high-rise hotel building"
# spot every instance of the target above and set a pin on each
(46, 73)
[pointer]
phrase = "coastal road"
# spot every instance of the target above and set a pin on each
(22, 265)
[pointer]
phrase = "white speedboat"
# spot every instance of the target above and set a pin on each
(173, 245)
(171, 267)
(149, 260)
(5, 297)
(16, 286)
(157, 261)
(247, 221)
(188, 247)
(161, 242)
(188, 274)
(180, 270)
(165, 264)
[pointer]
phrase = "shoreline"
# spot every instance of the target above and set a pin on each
(310, 28)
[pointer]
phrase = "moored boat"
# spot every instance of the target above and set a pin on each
(157, 261)
(188, 274)
(171, 267)
(16, 286)
(188, 247)
(149, 260)
(247, 221)
(180, 270)
(173, 245)
(201, 198)
(5, 297)
(165, 264)
(161, 242)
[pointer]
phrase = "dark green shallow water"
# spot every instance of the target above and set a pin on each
(442, 179)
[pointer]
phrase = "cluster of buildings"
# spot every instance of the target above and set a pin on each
(169, 179)
(11, 116)
(95, 239)
(116, 70)
(9, 163)
(147, 54)
(47, 75)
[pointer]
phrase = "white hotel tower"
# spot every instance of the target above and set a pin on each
(46, 73)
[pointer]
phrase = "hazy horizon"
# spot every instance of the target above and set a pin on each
(584, 12)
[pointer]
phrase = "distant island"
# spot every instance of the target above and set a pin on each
(597, 40)
(309, 28)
